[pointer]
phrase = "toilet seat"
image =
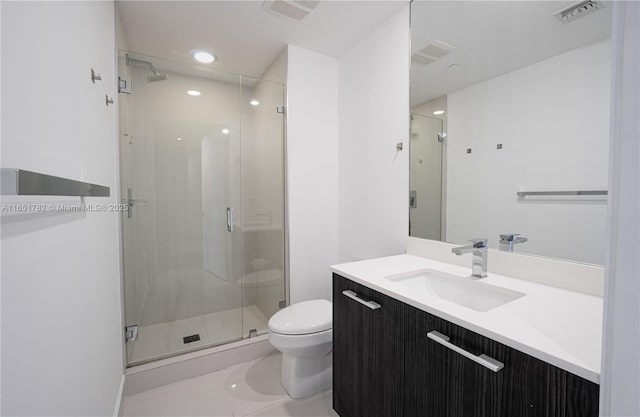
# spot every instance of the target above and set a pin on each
(304, 318)
(289, 342)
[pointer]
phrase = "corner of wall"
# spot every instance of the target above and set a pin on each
(312, 171)
(373, 117)
(620, 380)
(118, 410)
(277, 70)
(121, 38)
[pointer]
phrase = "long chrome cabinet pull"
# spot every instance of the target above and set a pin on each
(371, 304)
(483, 359)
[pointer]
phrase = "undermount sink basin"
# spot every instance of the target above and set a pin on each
(467, 292)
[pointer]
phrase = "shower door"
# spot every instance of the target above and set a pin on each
(201, 173)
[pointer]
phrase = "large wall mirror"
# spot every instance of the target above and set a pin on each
(510, 125)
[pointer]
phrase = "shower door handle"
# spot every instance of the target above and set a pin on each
(230, 228)
(130, 202)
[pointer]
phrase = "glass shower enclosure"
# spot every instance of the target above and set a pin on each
(202, 175)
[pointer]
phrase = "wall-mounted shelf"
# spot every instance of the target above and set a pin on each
(23, 182)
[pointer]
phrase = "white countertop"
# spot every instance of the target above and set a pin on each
(561, 327)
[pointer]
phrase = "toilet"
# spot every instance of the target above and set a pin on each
(303, 333)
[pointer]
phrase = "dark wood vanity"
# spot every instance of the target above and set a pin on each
(384, 365)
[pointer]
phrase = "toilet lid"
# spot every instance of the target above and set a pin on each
(303, 318)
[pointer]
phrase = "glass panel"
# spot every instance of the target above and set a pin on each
(425, 181)
(262, 202)
(134, 260)
(181, 161)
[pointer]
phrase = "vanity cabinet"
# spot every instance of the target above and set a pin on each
(385, 365)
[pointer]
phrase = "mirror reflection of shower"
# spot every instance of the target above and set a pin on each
(427, 168)
(203, 241)
(155, 75)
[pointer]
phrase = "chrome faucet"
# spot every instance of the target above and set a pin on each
(478, 247)
(508, 240)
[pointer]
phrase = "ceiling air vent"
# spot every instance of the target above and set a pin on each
(433, 51)
(577, 10)
(295, 10)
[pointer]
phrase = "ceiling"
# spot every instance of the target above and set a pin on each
(492, 38)
(245, 38)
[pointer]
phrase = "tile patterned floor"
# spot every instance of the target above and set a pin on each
(249, 389)
(160, 340)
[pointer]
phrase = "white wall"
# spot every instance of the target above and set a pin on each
(373, 116)
(552, 119)
(620, 360)
(61, 308)
(347, 186)
(312, 172)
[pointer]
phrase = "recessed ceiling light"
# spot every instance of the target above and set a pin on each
(438, 112)
(178, 138)
(254, 102)
(194, 93)
(203, 56)
(225, 131)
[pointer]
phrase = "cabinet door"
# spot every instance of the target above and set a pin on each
(367, 352)
(444, 383)
(534, 388)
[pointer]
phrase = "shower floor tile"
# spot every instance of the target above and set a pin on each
(179, 329)
(161, 340)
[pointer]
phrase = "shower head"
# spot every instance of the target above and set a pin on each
(155, 75)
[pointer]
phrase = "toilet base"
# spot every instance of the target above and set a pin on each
(304, 376)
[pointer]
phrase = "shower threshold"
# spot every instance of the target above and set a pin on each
(164, 340)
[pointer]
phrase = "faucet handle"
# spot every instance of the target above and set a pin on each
(479, 242)
(509, 236)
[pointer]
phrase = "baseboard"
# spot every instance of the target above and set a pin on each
(117, 410)
(153, 375)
